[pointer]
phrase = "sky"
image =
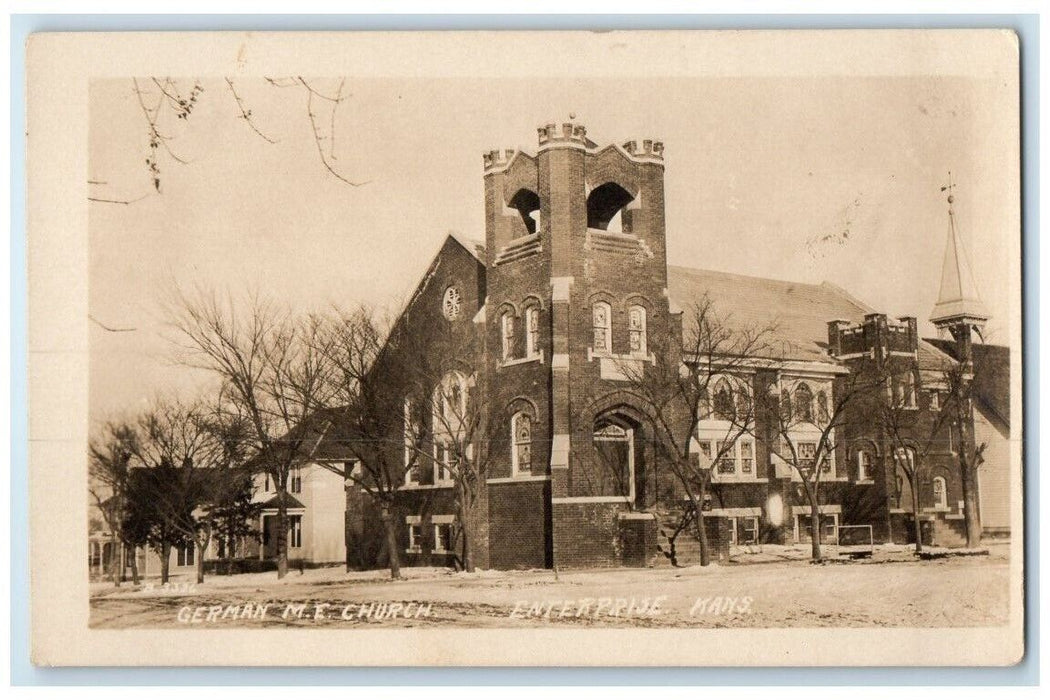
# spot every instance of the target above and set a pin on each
(808, 178)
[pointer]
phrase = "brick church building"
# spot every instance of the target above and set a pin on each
(571, 292)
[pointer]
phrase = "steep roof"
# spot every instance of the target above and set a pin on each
(797, 312)
(958, 296)
(991, 375)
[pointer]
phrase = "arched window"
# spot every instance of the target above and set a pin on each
(940, 492)
(506, 323)
(521, 444)
(450, 403)
(604, 203)
(723, 401)
(823, 410)
(744, 407)
(532, 331)
(803, 403)
(527, 203)
(636, 326)
(863, 465)
(908, 390)
(602, 321)
(785, 406)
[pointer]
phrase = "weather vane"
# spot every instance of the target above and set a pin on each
(950, 187)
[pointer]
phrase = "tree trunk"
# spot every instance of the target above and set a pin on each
(391, 543)
(282, 534)
(970, 507)
(466, 530)
(915, 512)
(814, 524)
(134, 567)
(165, 557)
(202, 547)
(116, 555)
(697, 502)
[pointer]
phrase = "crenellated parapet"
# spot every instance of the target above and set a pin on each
(498, 160)
(565, 135)
(650, 150)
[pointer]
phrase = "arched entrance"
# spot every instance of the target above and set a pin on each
(619, 456)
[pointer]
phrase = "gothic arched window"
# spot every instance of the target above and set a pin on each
(723, 401)
(823, 410)
(506, 323)
(636, 326)
(521, 443)
(803, 403)
(940, 492)
(532, 331)
(602, 322)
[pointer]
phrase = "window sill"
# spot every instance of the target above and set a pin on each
(522, 360)
(865, 482)
(414, 550)
(424, 487)
(518, 478)
(735, 479)
(593, 354)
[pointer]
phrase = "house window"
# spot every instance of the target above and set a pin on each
(940, 492)
(521, 440)
(803, 403)
(266, 484)
(905, 457)
(532, 331)
(185, 554)
(747, 458)
(935, 401)
(636, 325)
(602, 327)
(296, 479)
(415, 533)
(443, 538)
(295, 531)
(863, 465)
(507, 333)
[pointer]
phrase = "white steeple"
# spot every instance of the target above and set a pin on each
(959, 302)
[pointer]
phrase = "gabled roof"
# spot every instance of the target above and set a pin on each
(290, 502)
(991, 375)
(797, 312)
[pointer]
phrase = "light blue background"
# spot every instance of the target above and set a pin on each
(23, 673)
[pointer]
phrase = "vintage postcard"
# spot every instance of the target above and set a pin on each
(681, 348)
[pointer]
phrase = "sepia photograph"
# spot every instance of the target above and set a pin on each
(560, 343)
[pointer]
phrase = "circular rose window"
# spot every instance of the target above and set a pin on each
(450, 305)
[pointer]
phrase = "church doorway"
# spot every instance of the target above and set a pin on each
(615, 440)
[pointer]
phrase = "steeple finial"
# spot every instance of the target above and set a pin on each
(959, 303)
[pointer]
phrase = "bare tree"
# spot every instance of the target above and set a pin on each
(804, 429)
(677, 389)
(959, 411)
(913, 434)
(275, 372)
(109, 458)
(167, 104)
(375, 412)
